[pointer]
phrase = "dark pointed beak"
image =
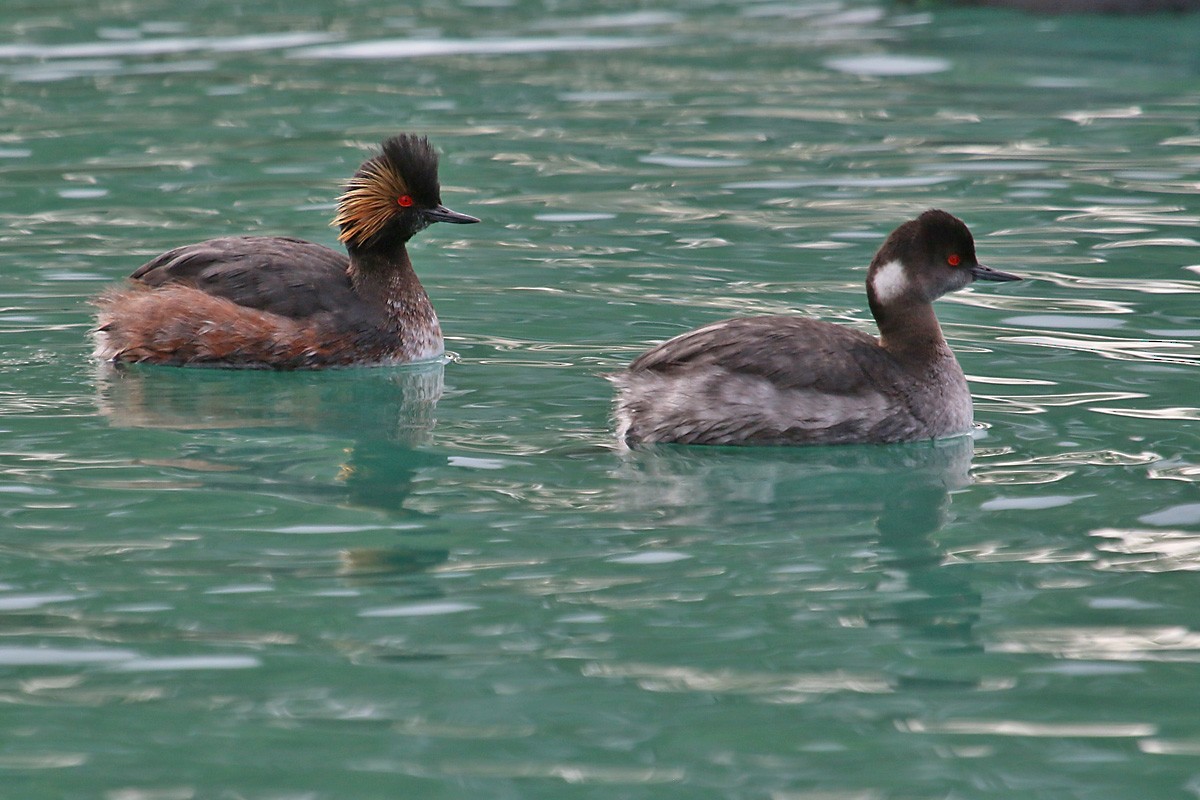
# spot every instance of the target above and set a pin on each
(443, 214)
(982, 273)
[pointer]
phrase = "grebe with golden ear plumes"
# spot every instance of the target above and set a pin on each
(272, 302)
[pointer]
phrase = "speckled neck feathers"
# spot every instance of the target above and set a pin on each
(390, 285)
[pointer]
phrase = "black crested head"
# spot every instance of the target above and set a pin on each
(383, 203)
(930, 238)
(944, 235)
(924, 259)
(949, 246)
(413, 158)
(920, 261)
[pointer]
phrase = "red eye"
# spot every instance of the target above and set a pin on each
(404, 200)
(953, 260)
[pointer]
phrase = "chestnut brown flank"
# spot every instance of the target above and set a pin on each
(177, 324)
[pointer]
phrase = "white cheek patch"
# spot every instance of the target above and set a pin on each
(890, 281)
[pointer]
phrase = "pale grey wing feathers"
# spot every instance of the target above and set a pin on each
(789, 352)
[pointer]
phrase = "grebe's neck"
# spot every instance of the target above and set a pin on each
(372, 269)
(913, 334)
(385, 279)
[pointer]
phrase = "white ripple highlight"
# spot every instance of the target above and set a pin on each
(420, 610)
(887, 65)
(181, 663)
(419, 48)
(651, 557)
(165, 46)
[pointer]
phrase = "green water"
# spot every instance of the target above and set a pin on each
(445, 583)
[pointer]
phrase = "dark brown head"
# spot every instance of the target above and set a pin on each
(924, 259)
(393, 196)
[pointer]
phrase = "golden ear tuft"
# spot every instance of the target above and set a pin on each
(369, 201)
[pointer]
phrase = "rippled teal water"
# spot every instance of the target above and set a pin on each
(438, 583)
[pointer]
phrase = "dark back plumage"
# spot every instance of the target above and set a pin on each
(386, 194)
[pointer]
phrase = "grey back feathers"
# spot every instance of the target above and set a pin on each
(790, 380)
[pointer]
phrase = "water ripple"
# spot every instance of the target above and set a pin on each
(1170, 747)
(1173, 412)
(166, 45)
(26, 655)
(1039, 403)
(187, 663)
(43, 760)
(1159, 241)
(1073, 730)
(1113, 643)
(630, 19)
(421, 48)
(420, 610)
(1119, 349)
(656, 678)
(1140, 285)
(572, 773)
(883, 65)
(1145, 550)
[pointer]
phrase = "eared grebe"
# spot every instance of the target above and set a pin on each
(279, 303)
(789, 380)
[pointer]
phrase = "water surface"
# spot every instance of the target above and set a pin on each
(444, 581)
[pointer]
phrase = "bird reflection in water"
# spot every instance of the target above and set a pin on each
(904, 490)
(383, 415)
